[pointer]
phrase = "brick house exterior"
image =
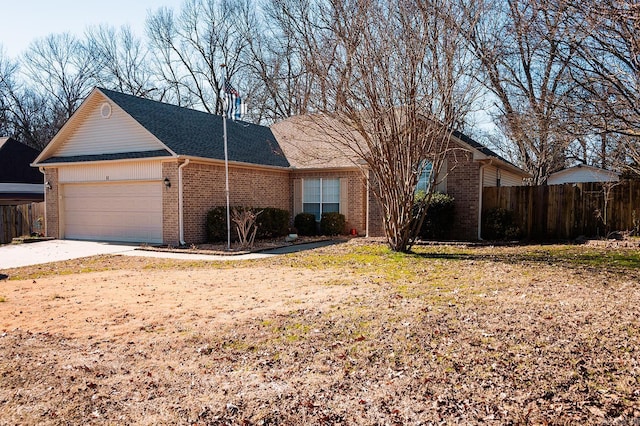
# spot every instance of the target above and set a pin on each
(130, 169)
(248, 186)
(469, 167)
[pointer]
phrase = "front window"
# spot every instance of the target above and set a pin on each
(320, 196)
(425, 178)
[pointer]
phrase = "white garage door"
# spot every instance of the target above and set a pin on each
(113, 211)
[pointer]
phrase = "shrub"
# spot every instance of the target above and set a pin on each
(272, 222)
(217, 224)
(332, 223)
(440, 215)
(499, 224)
(305, 223)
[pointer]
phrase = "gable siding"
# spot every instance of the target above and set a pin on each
(507, 178)
(99, 135)
(511, 179)
(103, 172)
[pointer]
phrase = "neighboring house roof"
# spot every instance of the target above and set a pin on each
(15, 160)
(582, 173)
(19, 182)
(184, 132)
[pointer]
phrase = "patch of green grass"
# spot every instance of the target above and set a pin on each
(571, 255)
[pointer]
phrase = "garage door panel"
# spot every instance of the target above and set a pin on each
(113, 211)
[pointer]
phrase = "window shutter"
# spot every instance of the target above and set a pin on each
(441, 180)
(344, 197)
(297, 196)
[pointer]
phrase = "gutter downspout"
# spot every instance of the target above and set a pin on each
(180, 202)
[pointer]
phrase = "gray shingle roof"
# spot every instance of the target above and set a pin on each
(198, 134)
(15, 160)
(483, 149)
(104, 157)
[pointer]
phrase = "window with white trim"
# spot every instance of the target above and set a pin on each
(424, 181)
(426, 178)
(320, 196)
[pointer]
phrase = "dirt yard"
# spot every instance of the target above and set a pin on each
(348, 334)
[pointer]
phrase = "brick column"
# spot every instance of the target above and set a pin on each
(52, 204)
(170, 212)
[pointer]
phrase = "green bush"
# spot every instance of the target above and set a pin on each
(440, 216)
(305, 223)
(332, 224)
(272, 222)
(217, 224)
(499, 224)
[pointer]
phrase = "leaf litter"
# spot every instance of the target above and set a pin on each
(344, 335)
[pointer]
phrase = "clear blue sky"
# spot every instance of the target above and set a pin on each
(22, 21)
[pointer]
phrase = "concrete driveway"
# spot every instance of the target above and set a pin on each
(17, 255)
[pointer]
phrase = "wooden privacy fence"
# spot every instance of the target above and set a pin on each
(570, 210)
(23, 219)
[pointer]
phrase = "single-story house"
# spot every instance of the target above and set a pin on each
(125, 168)
(19, 182)
(582, 173)
(467, 169)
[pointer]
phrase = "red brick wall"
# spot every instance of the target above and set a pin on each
(170, 213)
(376, 228)
(463, 180)
(204, 188)
(51, 196)
(356, 212)
(463, 184)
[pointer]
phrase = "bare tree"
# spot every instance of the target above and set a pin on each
(278, 82)
(8, 69)
(519, 46)
(607, 68)
(121, 59)
(24, 114)
(190, 47)
(60, 68)
(390, 81)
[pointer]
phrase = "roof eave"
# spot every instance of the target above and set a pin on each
(118, 160)
(232, 162)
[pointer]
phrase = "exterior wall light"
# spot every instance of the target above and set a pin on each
(167, 182)
(47, 185)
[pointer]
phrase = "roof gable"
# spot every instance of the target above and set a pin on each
(304, 141)
(98, 128)
(15, 162)
(133, 127)
(192, 133)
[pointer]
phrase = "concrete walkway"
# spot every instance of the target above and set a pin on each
(17, 255)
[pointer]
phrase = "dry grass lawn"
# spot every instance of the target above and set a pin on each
(349, 334)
